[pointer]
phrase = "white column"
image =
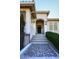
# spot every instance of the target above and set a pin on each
(28, 22)
(45, 25)
(27, 29)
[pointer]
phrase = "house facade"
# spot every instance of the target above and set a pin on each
(35, 22)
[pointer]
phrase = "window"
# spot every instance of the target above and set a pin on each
(50, 26)
(55, 26)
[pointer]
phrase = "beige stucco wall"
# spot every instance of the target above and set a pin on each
(41, 16)
(33, 27)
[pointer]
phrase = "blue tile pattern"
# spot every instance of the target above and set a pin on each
(40, 50)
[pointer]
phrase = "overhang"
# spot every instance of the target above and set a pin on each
(43, 12)
(31, 5)
(53, 19)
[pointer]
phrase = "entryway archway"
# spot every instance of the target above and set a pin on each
(40, 26)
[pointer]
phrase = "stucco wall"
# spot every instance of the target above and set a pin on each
(42, 16)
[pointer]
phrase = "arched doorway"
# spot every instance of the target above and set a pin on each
(40, 26)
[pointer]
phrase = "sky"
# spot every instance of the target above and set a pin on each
(48, 5)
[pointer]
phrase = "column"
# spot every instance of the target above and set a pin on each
(27, 29)
(45, 25)
(28, 22)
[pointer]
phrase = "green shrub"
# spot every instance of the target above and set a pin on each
(54, 38)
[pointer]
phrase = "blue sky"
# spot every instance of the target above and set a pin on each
(49, 5)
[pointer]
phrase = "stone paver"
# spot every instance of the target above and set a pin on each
(40, 49)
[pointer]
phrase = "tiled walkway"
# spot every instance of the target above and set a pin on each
(40, 49)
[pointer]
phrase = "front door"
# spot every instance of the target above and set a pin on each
(39, 26)
(39, 29)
